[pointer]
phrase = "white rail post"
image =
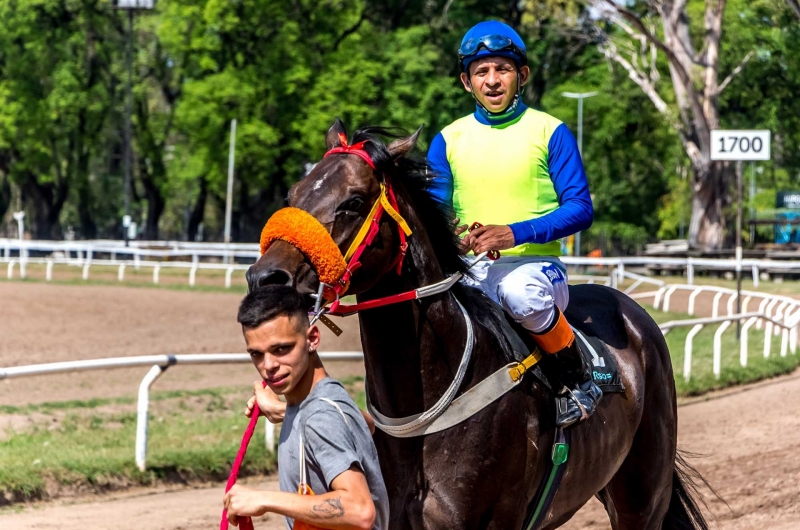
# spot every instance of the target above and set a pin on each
(156, 269)
(121, 272)
(715, 305)
(137, 259)
(192, 275)
(48, 275)
(762, 309)
(142, 413)
(755, 276)
(657, 299)
(743, 345)
(86, 266)
(687, 351)
(779, 314)
(692, 298)
(784, 342)
(228, 274)
(689, 271)
(731, 300)
(269, 436)
(745, 303)
(667, 296)
(11, 264)
(718, 347)
(767, 339)
(22, 265)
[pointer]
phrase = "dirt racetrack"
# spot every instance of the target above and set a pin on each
(41, 323)
(747, 438)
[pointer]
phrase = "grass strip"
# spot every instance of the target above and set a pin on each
(188, 440)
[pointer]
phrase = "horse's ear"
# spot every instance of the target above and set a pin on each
(333, 138)
(400, 148)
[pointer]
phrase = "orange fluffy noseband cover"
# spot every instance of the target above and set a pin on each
(301, 229)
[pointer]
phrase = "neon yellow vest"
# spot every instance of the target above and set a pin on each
(500, 173)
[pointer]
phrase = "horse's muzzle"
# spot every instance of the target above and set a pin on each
(267, 276)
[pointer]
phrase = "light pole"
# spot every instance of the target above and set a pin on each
(580, 97)
(229, 195)
(131, 6)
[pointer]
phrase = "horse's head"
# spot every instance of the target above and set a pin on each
(340, 193)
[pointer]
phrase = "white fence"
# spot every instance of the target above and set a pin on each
(148, 253)
(776, 314)
(159, 364)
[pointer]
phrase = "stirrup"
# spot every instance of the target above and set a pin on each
(574, 406)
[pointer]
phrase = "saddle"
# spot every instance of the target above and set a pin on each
(594, 351)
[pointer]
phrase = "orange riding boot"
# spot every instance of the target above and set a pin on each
(580, 395)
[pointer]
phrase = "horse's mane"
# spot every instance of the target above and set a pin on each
(413, 176)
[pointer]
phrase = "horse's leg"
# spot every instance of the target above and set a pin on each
(638, 496)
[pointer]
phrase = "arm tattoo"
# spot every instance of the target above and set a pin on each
(329, 509)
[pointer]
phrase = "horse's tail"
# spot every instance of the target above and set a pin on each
(684, 512)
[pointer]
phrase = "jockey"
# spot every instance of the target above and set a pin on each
(518, 171)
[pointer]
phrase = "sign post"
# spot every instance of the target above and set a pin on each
(739, 146)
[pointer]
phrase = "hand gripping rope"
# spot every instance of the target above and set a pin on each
(245, 523)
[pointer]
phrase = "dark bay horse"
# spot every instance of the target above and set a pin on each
(484, 472)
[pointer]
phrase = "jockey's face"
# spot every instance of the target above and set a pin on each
(280, 350)
(493, 80)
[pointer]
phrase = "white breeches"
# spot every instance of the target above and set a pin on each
(527, 287)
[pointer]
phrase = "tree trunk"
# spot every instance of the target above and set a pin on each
(710, 197)
(198, 212)
(88, 226)
(695, 82)
(795, 6)
(155, 204)
(5, 192)
(48, 201)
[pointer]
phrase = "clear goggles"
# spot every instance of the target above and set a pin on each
(493, 43)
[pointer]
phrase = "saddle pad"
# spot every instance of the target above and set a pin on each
(600, 362)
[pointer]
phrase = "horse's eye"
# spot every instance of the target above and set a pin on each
(353, 205)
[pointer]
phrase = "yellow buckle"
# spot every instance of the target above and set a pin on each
(516, 372)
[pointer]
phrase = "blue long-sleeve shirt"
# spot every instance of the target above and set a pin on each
(574, 212)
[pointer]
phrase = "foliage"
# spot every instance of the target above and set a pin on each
(284, 70)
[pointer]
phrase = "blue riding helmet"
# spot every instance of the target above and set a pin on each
(491, 39)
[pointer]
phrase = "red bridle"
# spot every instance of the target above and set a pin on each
(386, 202)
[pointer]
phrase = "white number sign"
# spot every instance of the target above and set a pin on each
(740, 145)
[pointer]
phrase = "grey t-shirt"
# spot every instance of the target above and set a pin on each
(331, 446)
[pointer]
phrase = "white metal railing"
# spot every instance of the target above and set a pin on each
(159, 364)
(249, 252)
(697, 324)
(86, 264)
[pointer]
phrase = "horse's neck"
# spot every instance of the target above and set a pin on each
(412, 350)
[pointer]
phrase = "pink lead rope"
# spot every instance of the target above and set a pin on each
(245, 523)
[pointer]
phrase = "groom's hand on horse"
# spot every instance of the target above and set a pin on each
(489, 237)
(268, 403)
